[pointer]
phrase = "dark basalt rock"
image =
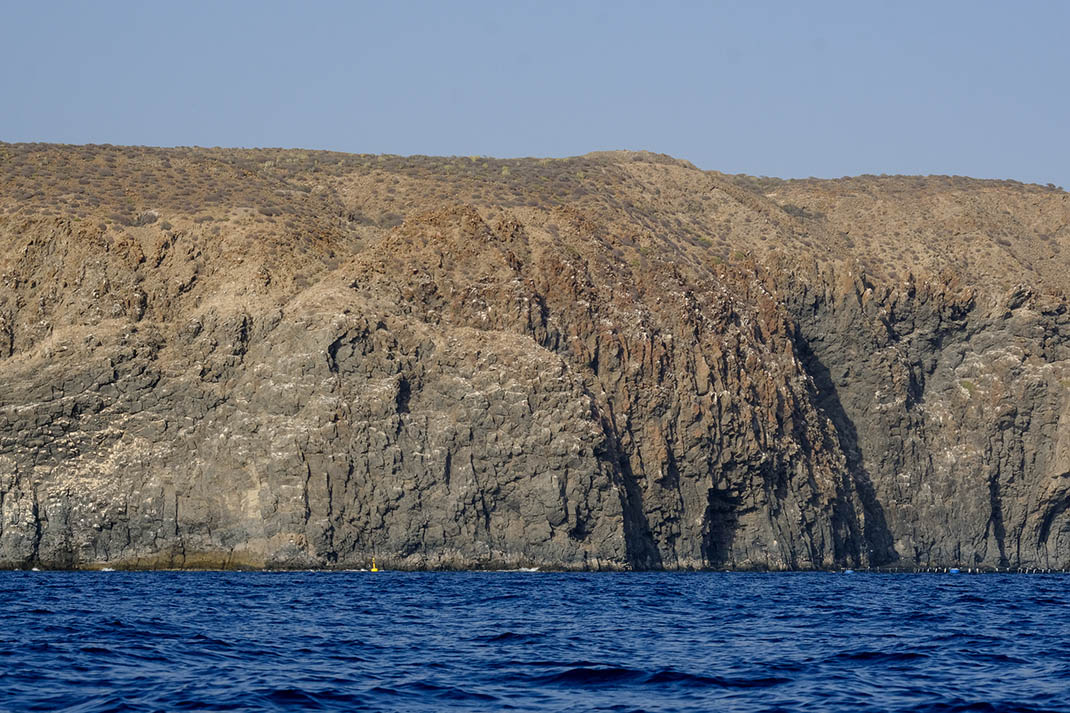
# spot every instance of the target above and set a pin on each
(478, 392)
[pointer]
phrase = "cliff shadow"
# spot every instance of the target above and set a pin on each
(722, 519)
(642, 551)
(876, 534)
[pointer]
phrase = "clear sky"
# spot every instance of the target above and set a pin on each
(767, 88)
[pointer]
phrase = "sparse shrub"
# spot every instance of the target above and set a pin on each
(800, 211)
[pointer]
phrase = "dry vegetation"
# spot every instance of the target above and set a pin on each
(648, 206)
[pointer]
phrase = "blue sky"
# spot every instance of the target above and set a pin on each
(767, 88)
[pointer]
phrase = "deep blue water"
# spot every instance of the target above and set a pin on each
(112, 641)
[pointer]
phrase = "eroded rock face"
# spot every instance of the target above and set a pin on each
(480, 388)
(952, 405)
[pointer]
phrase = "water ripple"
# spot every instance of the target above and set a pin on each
(96, 642)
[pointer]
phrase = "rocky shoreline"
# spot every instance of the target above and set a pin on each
(663, 369)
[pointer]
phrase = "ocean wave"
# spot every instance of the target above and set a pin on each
(500, 641)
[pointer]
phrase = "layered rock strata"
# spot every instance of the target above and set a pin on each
(670, 369)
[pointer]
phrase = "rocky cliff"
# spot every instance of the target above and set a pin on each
(219, 358)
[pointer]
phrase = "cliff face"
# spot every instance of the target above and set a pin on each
(615, 361)
(952, 405)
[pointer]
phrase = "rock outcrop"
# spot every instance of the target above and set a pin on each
(610, 362)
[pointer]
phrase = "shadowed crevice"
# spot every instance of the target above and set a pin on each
(721, 520)
(876, 535)
(996, 520)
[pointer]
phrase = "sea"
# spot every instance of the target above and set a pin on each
(91, 642)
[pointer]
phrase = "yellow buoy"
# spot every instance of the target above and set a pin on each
(374, 568)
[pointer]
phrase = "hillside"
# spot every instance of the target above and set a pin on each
(284, 358)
